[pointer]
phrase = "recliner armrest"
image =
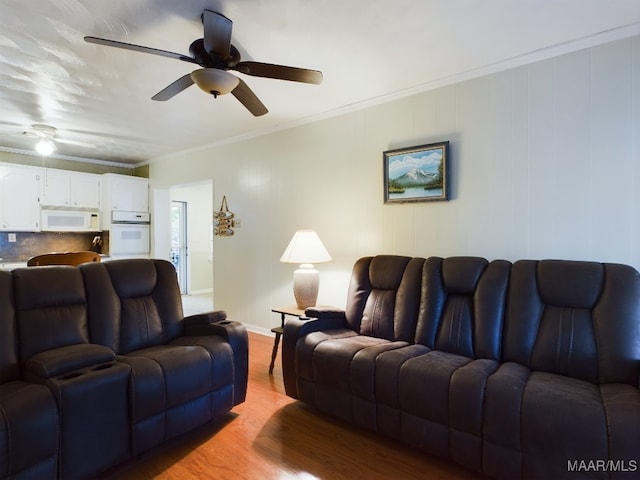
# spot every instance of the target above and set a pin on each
(227, 329)
(325, 313)
(215, 323)
(294, 329)
(205, 318)
(59, 361)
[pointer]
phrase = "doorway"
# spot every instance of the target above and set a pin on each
(179, 242)
(191, 236)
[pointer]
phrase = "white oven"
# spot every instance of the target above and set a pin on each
(129, 234)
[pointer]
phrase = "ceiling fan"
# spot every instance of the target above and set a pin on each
(216, 55)
(47, 138)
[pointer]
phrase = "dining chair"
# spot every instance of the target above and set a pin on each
(63, 258)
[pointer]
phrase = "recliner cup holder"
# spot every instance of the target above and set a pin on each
(71, 375)
(78, 373)
(104, 366)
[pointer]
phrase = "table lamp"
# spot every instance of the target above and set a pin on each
(305, 248)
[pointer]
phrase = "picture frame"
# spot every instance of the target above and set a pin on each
(417, 174)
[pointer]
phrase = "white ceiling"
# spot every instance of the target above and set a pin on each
(367, 50)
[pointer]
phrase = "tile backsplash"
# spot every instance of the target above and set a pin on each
(29, 244)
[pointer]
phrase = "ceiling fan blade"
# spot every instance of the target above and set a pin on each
(175, 88)
(139, 48)
(249, 99)
(73, 142)
(217, 33)
(281, 72)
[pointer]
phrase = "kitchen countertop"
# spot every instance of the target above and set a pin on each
(12, 265)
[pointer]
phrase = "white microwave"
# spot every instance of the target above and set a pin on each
(69, 221)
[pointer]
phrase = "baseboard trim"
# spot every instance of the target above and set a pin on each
(201, 292)
(259, 330)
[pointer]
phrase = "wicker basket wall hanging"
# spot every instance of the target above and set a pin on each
(223, 220)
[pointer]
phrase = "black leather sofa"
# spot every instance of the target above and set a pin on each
(98, 365)
(516, 370)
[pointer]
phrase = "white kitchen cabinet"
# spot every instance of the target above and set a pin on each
(19, 198)
(56, 187)
(63, 188)
(85, 190)
(125, 193)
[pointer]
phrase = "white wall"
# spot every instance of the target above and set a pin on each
(545, 164)
(160, 206)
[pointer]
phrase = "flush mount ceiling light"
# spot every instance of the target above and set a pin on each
(48, 139)
(214, 81)
(45, 147)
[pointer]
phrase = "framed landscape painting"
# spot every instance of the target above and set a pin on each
(416, 174)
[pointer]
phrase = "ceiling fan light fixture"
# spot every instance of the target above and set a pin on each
(45, 147)
(214, 81)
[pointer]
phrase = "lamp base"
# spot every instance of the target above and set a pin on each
(306, 282)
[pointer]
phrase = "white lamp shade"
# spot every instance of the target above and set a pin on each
(214, 80)
(305, 247)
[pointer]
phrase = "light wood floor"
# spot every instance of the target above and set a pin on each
(271, 436)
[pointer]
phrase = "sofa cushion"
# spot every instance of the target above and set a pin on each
(171, 389)
(443, 393)
(423, 387)
(384, 297)
(622, 406)
(133, 304)
(221, 353)
(587, 328)
(29, 433)
(563, 419)
(388, 365)
(51, 308)
(141, 324)
(529, 416)
(462, 306)
(344, 370)
(502, 452)
(160, 376)
(221, 335)
(304, 353)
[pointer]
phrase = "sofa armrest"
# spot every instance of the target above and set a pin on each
(62, 360)
(326, 313)
(296, 328)
(235, 333)
(205, 318)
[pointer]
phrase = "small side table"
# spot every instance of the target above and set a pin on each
(294, 312)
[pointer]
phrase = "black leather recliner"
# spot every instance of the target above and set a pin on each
(29, 434)
(179, 378)
(97, 364)
(89, 387)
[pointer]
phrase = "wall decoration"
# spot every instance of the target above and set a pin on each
(223, 220)
(416, 174)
